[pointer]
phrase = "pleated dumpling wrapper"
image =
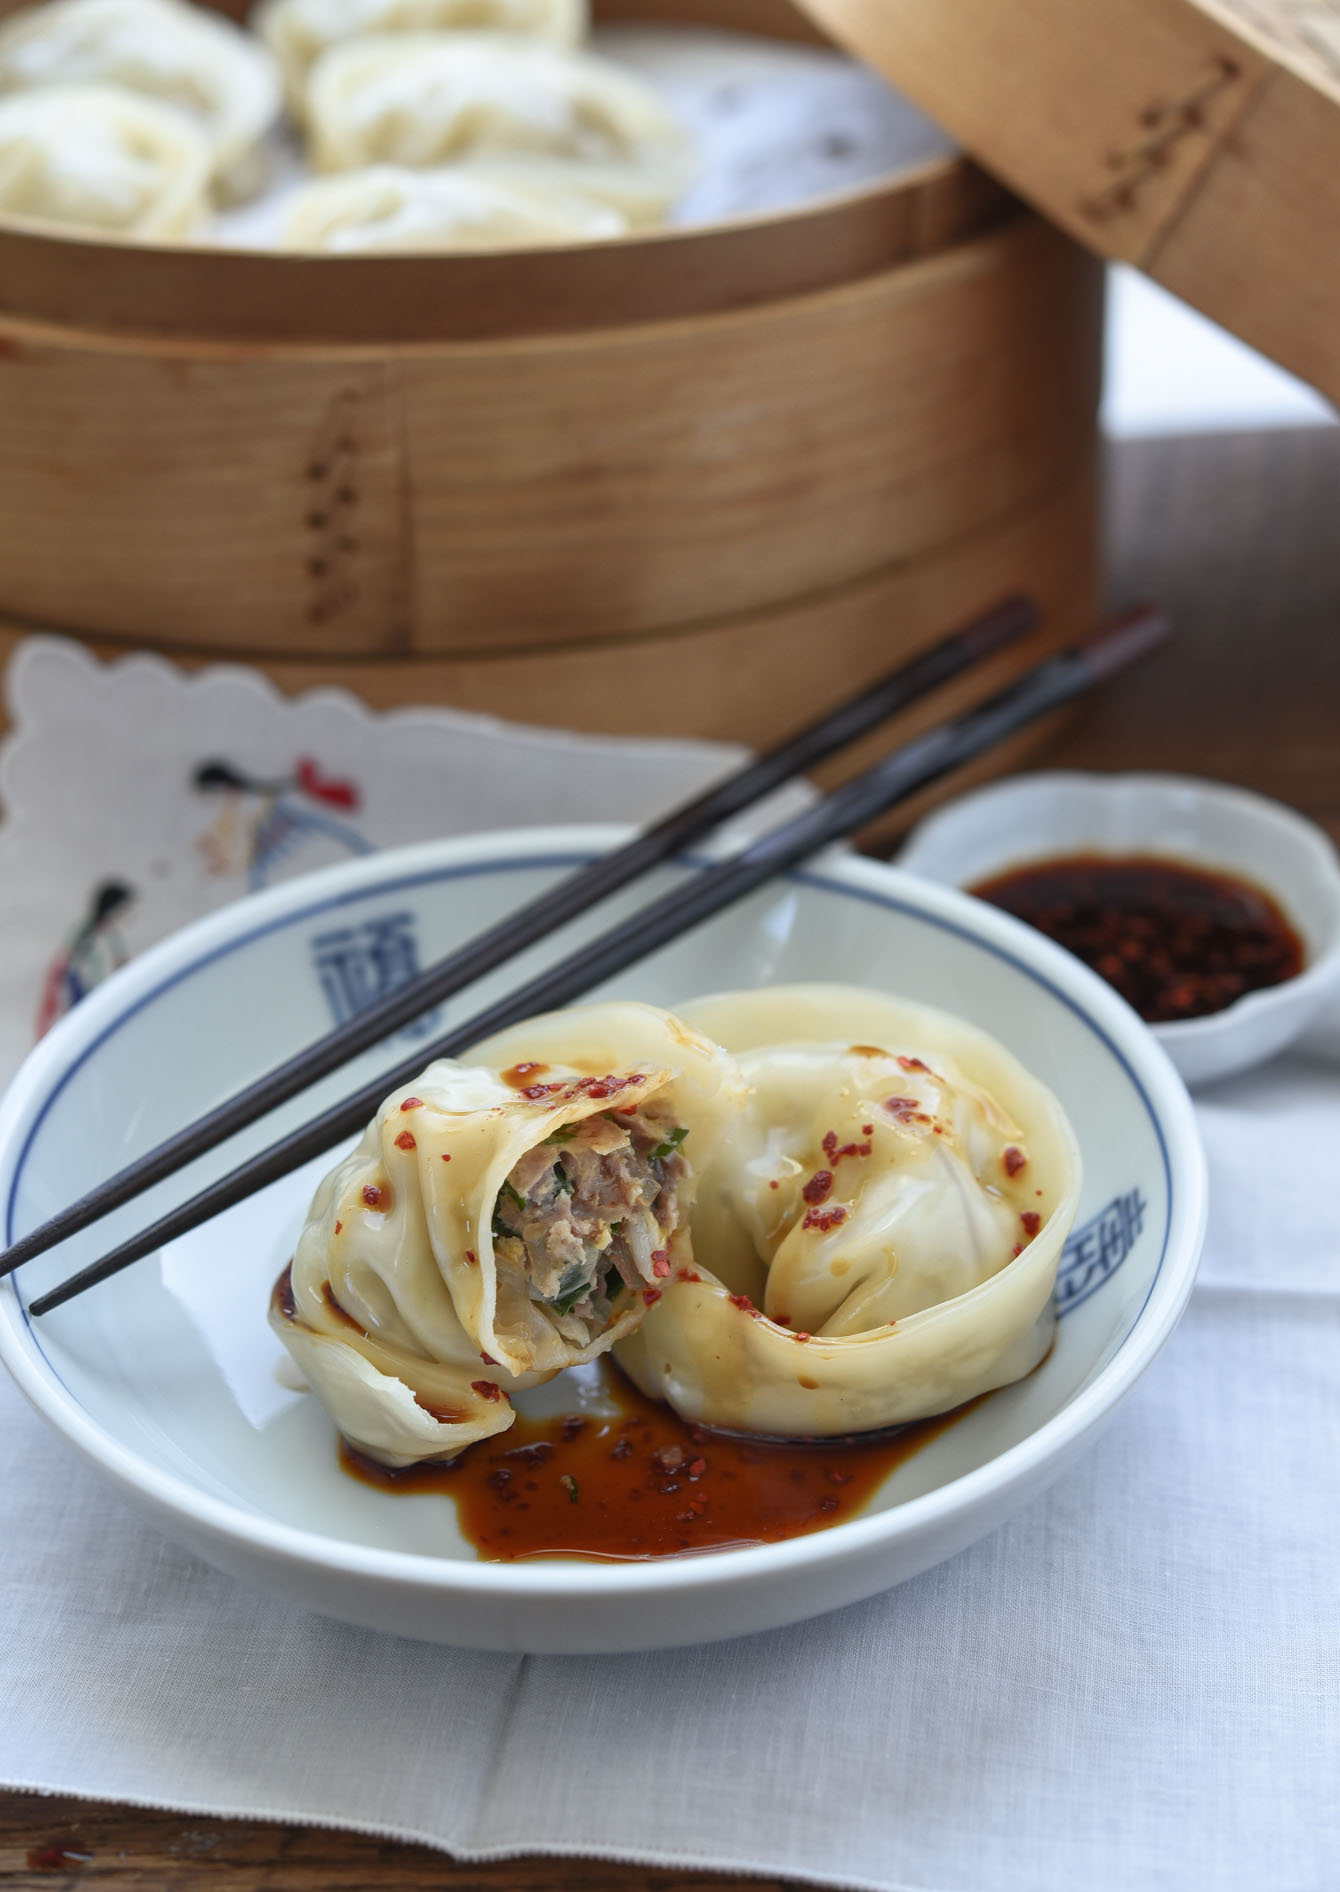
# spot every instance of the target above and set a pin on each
(529, 113)
(94, 159)
(877, 1237)
(186, 57)
(299, 31)
(502, 1218)
(389, 209)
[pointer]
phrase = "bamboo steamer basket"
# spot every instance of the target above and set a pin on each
(1196, 139)
(688, 482)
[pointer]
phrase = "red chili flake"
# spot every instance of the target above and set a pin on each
(901, 1107)
(697, 1466)
(536, 1091)
(573, 1426)
(472, 1257)
(743, 1302)
(339, 1227)
(824, 1219)
(660, 1264)
(487, 1389)
(412, 1103)
(525, 1068)
(913, 1064)
(802, 1338)
(624, 1449)
(781, 1320)
(488, 1359)
(689, 1274)
(699, 1434)
(1014, 1160)
(938, 1129)
(774, 1184)
(836, 1477)
(372, 1195)
(1016, 1251)
(1031, 1221)
(405, 1141)
(820, 1185)
(651, 1296)
(867, 1129)
(836, 1154)
(446, 1159)
(669, 1458)
(603, 1087)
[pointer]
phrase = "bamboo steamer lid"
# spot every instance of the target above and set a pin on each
(1196, 139)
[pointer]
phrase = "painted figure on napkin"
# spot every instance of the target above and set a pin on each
(95, 948)
(263, 822)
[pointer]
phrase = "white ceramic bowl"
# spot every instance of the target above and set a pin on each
(165, 1378)
(1207, 824)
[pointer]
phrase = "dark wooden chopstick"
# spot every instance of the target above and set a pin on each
(856, 716)
(1053, 682)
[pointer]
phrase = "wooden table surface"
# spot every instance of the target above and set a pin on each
(1239, 537)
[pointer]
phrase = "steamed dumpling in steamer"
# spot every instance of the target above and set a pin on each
(389, 209)
(182, 56)
(299, 31)
(517, 109)
(501, 1220)
(99, 160)
(877, 1238)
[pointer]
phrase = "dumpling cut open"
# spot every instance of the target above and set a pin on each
(502, 1219)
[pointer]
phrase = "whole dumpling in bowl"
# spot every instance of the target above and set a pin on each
(299, 31)
(389, 209)
(528, 113)
(877, 1236)
(187, 57)
(99, 160)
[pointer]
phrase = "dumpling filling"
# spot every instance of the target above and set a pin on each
(592, 1211)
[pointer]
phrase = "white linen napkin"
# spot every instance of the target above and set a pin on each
(1136, 1683)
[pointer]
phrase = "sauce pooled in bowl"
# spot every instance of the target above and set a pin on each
(1176, 941)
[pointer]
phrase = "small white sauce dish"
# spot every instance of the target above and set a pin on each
(165, 1376)
(1198, 823)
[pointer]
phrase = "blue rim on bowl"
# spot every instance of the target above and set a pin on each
(562, 1604)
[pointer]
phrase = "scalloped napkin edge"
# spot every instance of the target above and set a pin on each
(138, 796)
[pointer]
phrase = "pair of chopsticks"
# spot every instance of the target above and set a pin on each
(1046, 687)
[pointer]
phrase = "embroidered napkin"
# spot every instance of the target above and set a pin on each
(138, 796)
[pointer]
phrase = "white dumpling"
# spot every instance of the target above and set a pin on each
(877, 1236)
(178, 55)
(97, 159)
(520, 110)
(299, 31)
(388, 208)
(501, 1220)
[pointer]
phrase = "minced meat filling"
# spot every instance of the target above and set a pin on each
(590, 1212)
